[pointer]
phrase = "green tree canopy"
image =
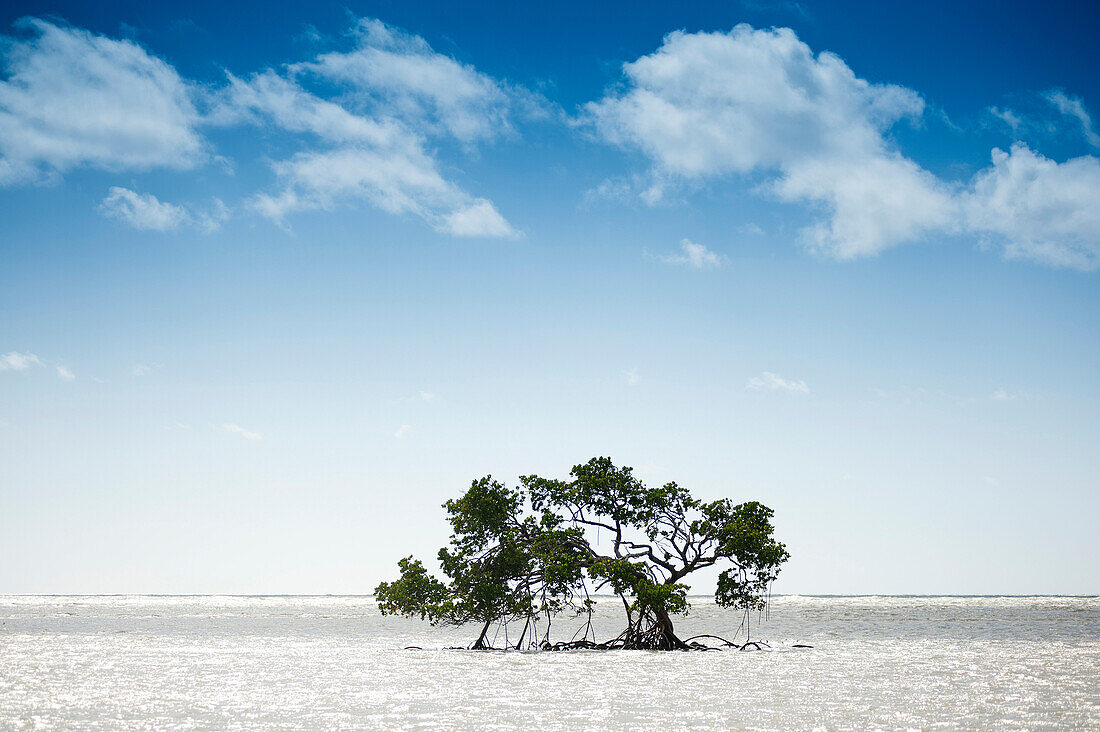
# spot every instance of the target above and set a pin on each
(518, 553)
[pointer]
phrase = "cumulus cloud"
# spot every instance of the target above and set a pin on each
(707, 106)
(711, 105)
(74, 98)
(1038, 209)
(15, 361)
(693, 255)
(236, 429)
(768, 381)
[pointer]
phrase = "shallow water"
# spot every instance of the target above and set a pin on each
(322, 662)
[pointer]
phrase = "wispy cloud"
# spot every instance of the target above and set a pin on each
(632, 377)
(693, 255)
(65, 373)
(15, 361)
(73, 98)
(405, 78)
(427, 396)
(782, 6)
(380, 112)
(402, 431)
(142, 210)
(1074, 108)
(146, 212)
(236, 429)
(1002, 395)
(1010, 117)
(769, 381)
(398, 94)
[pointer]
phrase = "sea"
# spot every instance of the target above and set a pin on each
(136, 662)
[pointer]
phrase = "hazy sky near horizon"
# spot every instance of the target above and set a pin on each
(277, 280)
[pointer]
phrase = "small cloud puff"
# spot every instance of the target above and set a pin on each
(693, 255)
(238, 430)
(145, 212)
(15, 361)
(768, 381)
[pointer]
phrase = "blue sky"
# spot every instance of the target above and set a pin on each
(276, 281)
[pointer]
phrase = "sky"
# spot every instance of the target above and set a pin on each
(278, 279)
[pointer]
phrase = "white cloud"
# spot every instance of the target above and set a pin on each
(694, 255)
(1009, 117)
(707, 106)
(402, 431)
(479, 218)
(212, 219)
(1037, 208)
(73, 98)
(711, 105)
(142, 210)
(1075, 108)
(15, 361)
(394, 180)
(990, 480)
(238, 430)
(400, 73)
(65, 374)
(632, 377)
(875, 202)
(382, 163)
(1001, 395)
(768, 381)
(374, 139)
(146, 212)
(140, 369)
(427, 396)
(267, 97)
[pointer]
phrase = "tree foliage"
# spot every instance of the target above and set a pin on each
(520, 553)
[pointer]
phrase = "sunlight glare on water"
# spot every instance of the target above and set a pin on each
(322, 662)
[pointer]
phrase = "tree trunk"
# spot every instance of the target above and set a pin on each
(480, 644)
(667, 640)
